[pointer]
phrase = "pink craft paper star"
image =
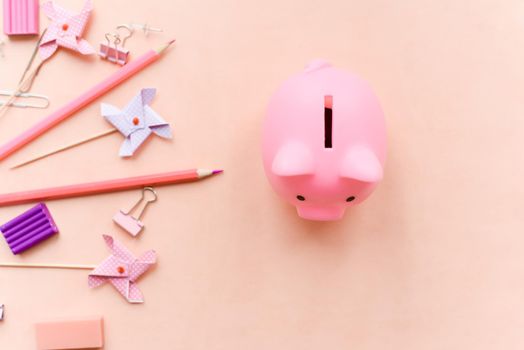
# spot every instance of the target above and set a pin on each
(122, 270)
(65, 30)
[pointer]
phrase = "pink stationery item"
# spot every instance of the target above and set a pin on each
(83, 100)
(106, 186)
(83, 333)
(125, 218)
(113, 53)
(21, 17)
(128, 222)
(114, 49)
(65, 30)
(122, 270)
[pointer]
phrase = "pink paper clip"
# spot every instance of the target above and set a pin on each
(115, 52)
(127, 221)
(21, 17)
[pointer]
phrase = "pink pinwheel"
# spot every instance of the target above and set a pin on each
(122, 270)
(65, 30)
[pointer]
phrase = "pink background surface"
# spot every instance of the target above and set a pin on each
(433, 260)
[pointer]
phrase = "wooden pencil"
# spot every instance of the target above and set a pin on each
(93, 188)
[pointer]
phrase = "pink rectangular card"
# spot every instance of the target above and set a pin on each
(83, 333)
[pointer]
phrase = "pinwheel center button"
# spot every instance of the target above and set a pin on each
(136, 120)
(121, 269)
(65, 27)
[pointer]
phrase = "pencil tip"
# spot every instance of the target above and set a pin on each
(166, 46)
(217, 171)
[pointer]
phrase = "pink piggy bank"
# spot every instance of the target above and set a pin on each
(324, 141)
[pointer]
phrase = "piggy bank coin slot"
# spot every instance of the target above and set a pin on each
(328, 121)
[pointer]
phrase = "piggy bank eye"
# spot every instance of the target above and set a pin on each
(301, 198)
(350, 199)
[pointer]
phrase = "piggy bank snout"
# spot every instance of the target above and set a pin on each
(321, 213)
(324, 189)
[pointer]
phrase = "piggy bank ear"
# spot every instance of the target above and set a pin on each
(361, 164)
(293, 159)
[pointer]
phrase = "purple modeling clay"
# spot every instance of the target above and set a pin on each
(29, 229)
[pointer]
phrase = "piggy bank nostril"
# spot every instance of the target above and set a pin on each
(350, 199)
(301, 198)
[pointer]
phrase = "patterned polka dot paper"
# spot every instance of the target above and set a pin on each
(65, 30)
(122, 270)
(136, 121)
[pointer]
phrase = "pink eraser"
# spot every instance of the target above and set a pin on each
(86, 333)
(21, 17)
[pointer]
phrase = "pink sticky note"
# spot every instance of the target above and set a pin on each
(84, 333)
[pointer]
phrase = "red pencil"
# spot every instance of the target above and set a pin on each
(105, 186)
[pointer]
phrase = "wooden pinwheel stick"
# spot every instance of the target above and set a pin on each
(49, 266)
(66, 147)
(30, 63)
(27, 77)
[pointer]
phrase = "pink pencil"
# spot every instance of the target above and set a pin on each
(80, 102)
(105, 186)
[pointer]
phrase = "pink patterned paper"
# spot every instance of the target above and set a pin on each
(65, 30)
(122, 270)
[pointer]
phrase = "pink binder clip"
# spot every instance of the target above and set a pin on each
(21, 17)
(127, 221)
(115, 52)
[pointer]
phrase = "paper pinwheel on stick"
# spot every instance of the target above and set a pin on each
(65, 30)
(122, 269)
(136, 122)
